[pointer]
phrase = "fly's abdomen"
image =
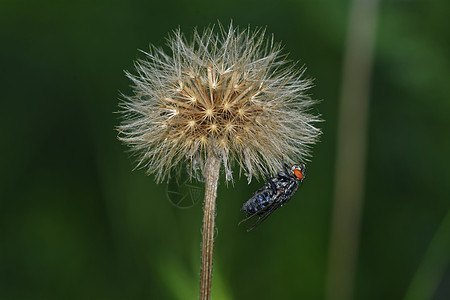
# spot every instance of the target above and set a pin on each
(258, 202)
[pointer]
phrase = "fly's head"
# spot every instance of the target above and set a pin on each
(299, 172)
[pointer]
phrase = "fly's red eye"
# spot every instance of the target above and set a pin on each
(298, 173)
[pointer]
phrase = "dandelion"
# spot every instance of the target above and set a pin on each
(227, 97)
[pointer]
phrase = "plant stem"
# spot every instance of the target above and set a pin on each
(435, 261)
(212, 168)
(351, 150)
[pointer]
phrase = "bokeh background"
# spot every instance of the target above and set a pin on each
(76, 222)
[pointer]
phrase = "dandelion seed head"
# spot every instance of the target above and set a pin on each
(228, 91)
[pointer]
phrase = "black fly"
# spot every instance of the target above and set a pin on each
(274, 193)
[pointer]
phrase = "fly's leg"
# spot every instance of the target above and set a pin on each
(269, 211)
(248, 218)
(272, 184)
(285, 167)
(287, 171)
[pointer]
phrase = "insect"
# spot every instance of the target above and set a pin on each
(274, 194)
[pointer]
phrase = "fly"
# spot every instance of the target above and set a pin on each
(274, 194)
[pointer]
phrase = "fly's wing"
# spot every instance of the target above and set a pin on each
(267, 212)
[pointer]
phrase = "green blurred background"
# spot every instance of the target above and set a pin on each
(77, 223)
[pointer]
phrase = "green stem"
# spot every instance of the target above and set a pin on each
(351, 150)
(436, 259)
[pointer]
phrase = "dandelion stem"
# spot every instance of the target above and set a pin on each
(212, 168)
